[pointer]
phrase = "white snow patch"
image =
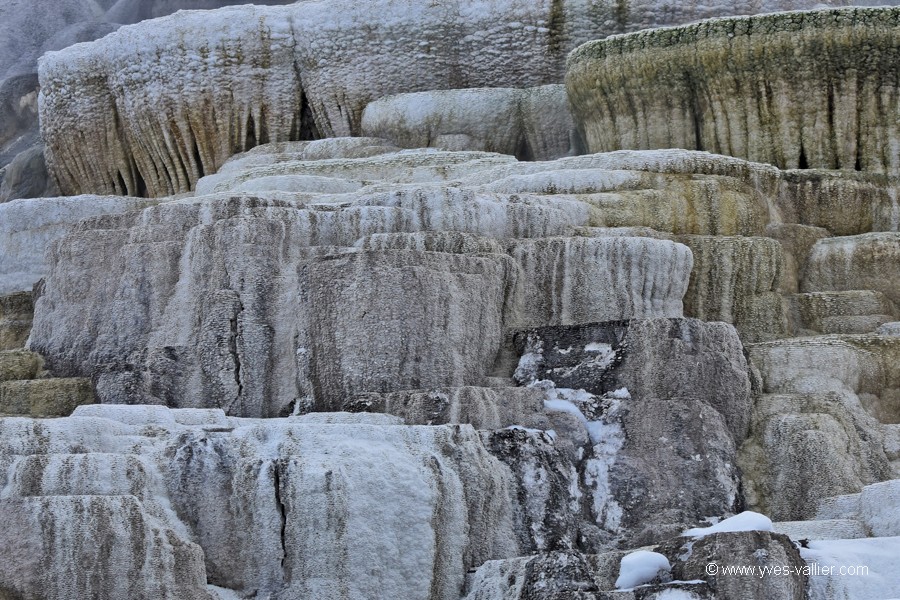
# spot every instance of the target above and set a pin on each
(869, 568)
(641, 567)
(620, 394)
(746, 521)
(598, 347)
(676, 594)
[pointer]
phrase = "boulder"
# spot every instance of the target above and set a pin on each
(27, 177)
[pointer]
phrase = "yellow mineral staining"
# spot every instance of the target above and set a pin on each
(797, 90)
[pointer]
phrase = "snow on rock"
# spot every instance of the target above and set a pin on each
(745, 521)
(626, 94)
(850, 569)
(641, 567)
(552, 574)
(880, 508)
(631, 410)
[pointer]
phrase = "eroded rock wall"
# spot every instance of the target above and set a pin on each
(305, 70)
(803, 89)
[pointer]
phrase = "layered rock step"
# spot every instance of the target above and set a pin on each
(821, 426)
(855, 311)
(26, 388)
(16, 316)
(193, 479)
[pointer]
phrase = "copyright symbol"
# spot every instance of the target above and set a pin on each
(712, 569)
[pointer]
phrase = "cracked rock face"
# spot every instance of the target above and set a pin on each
(187, 497)
(661, 432)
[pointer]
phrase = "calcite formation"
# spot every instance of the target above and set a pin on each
(457, 357)
(797, 90)
(144, 126)
(531, 123)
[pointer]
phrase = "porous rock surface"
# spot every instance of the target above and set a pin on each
(802, 89)
(540, 366)
(190, 497)
(299, 72)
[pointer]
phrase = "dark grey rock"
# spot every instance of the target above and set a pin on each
(690, 559)
(673, 398)
(27, 177)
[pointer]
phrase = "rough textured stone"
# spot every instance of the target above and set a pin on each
(557, 576)
(18, 115)
(530, 123)
(105, 547)
(815, 433)
(841, 312)
(482, 407)
(27, 177)
(842, 202)
(446, 310)
(44, 397)
(863, 262)
(680, 425)
(19, 364)
(27, 228)
(690, 559)
(16, 316)
(806, 447)
(797, 242)
(412, 507)
(826, 529)
(736, 280)
(567, 281)
(794, 90)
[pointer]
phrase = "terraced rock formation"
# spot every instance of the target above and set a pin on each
(796, 90)
(417, 365)
(251, 75)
